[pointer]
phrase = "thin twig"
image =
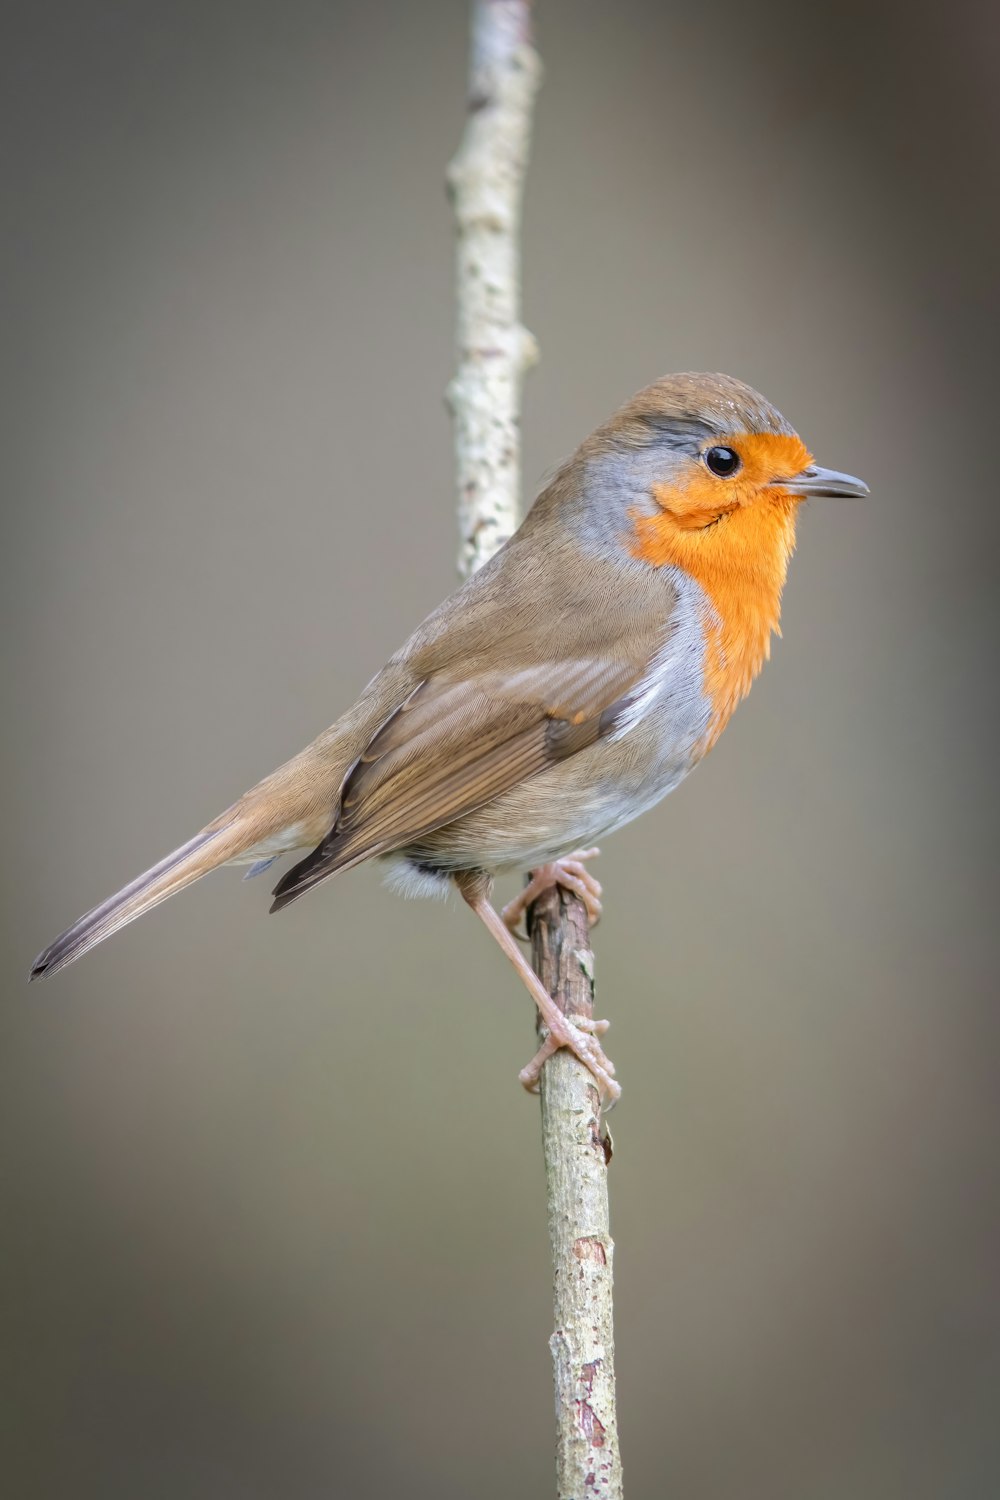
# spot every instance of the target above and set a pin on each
(577, 1153)
(486, 182)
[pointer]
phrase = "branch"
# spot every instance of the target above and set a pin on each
(486, 182)
(577, 1154)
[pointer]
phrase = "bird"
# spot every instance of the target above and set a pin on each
(560, 692)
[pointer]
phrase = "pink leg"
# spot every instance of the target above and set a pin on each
(571, 874)
(578, 1033)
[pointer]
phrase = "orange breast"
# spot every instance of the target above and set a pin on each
(740, 562)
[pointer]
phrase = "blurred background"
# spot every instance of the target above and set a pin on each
(273, 1213)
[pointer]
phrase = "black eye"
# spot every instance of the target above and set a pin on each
(722, 461)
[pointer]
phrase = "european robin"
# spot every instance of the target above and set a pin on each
(563, 690)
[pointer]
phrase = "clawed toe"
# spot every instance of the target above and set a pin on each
(573, 877)
(571, 873)
(512, 913)
(591, 1024)
(579, 1034)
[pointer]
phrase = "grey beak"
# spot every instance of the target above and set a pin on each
(817, 481)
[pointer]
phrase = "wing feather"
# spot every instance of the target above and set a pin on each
(470, 731)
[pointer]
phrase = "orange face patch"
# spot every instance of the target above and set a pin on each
(700, 496)
(734, 537)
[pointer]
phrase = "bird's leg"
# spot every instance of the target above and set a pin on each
(578, 1033)
(572, 874)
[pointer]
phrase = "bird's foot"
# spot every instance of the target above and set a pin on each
(572, 874)
(579, 1034)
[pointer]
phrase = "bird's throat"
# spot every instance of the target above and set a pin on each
(740, 562)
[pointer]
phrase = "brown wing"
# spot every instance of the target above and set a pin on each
(457, 743)
(526, 665)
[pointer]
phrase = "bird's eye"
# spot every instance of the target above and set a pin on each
(722, 462)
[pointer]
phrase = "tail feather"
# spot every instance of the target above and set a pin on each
(186, 864)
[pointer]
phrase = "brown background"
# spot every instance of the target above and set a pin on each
(272, 1200)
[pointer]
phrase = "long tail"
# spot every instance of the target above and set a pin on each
(212, 847)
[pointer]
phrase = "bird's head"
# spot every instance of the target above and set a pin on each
(706, 459)
(702, 478)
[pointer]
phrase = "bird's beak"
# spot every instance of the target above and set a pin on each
(817, 481)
